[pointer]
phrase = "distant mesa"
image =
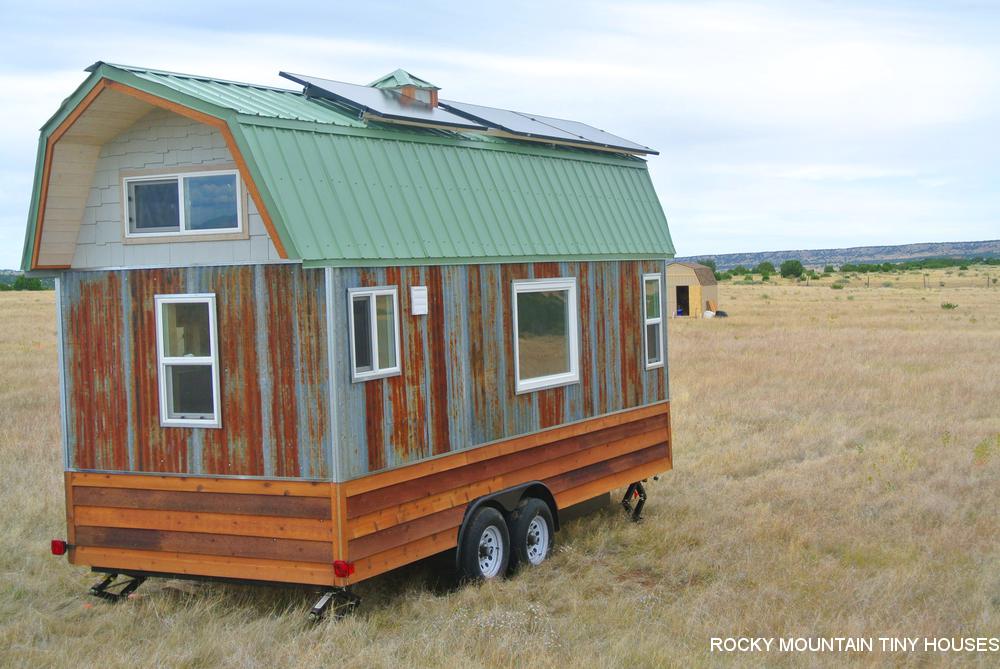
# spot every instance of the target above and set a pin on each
(857, 254)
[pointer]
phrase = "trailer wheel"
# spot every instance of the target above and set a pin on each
(532, 533)
(485, 549)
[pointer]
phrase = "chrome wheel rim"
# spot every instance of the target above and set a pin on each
(538, 540)
(490, 552)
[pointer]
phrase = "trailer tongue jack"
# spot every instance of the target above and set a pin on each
(127, 586)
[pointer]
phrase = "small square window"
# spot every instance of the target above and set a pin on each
(152, 206)
(652, 320)
(546, 338)
(188, 360)
(374, 328)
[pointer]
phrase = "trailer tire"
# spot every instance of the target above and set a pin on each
(485, 549)
(532, 532)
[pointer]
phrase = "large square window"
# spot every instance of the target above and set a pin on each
(652, 320)
(546, 334)
(188, 356)
(374, 329)
(182, 204)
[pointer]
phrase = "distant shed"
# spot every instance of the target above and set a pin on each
(691, 289)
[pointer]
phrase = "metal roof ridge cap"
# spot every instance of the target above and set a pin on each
(133, 69)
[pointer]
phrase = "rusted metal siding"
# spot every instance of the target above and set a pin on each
(456, 389)
(273, 373)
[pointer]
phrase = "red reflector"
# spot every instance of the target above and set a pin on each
(342, 568)
(59, 547)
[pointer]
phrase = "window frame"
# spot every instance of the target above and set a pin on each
(163, 360)
(536, 383)
(647, 321)
(181, 177)
(376, 372)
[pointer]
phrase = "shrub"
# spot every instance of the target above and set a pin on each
(791, 268)
(887, 284)
(837, 286)
(828, 269)
(948, 306)
(765, 267)
(765, 277)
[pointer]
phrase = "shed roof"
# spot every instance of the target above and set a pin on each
(341, 190)
(703, 273)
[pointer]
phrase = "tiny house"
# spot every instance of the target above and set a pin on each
(692, 291)
(309, 336)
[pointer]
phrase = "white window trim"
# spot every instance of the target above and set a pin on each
(647, 321)
(572, 326)
(182, 219)
(376, 371)
(163, 360)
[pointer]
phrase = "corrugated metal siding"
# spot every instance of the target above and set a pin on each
(357, 199)
(274, 383)
(456, 389)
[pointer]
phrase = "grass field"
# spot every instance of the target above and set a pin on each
(837, 473)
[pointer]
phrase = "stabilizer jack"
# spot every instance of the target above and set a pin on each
(341, 600)
(113, 590)
(637, 491)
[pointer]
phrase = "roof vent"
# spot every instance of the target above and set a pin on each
(409, 87)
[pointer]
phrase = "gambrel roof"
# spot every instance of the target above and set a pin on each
(334, 188)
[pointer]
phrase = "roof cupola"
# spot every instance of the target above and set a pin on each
(409, 87)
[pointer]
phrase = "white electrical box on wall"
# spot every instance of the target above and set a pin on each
(418, 300)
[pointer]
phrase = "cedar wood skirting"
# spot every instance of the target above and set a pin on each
(292, 531)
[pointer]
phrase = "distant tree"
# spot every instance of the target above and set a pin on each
(765, 267)
(790, 268)
(739, 270)
(24, 283)
(708, 262)
(829, 269)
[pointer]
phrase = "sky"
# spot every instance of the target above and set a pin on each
(780, 125)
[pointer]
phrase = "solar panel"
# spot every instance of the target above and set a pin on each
(382, 102)
(543, 127)
(389, 105)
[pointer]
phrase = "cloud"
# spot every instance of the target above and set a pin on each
(806, 124)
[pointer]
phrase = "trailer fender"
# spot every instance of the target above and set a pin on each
(506, 502)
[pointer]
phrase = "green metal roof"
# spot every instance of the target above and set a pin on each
(343, 191)
(402, 78)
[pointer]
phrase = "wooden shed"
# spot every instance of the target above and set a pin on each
(691, 289)
(308, 336)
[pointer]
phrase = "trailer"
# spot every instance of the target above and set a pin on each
(310, 336)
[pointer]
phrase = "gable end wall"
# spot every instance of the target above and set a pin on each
(158, 141)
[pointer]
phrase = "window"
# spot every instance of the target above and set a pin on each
(652, 320)
(183, 204)
(546, 337)
(374, 326)
(188, 360)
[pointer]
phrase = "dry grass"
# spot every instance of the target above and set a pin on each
(837, 473)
